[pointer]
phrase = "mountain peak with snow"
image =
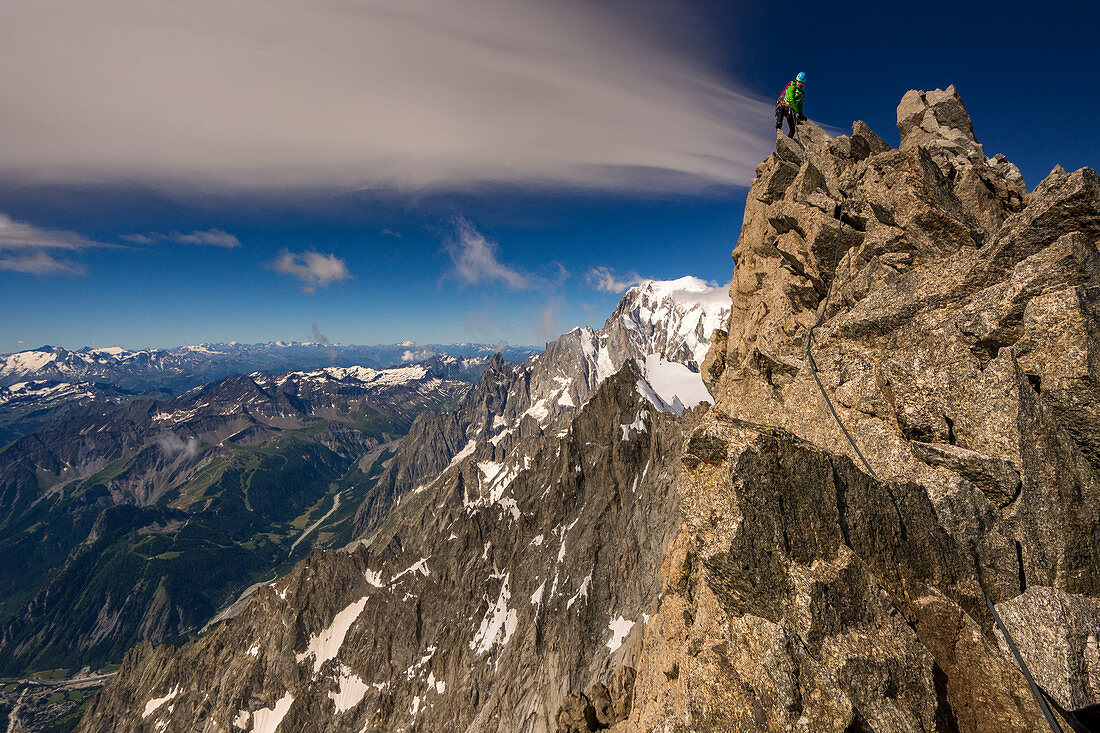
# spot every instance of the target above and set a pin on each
(689, 287)
(672, 318)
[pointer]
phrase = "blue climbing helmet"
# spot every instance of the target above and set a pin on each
(801, 76)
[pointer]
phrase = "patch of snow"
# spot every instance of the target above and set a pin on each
(654, 399)
(25, 362)
(537, 542)
(416, 667)
(439, 685)
(254, 651)
(466, 450)
(498, 624)
(539, 410)
(675, 383)
(241, 721)
(374, 577)
(564, 531)
(510, 505)
(156, 702)
(620, 627)
(266, 720)
(604, 366)
(420, 566)
(495, 440)
(637, 426)
(350, 692)
(536, 597)
(582, 592)
(489, 469)
(326, 644)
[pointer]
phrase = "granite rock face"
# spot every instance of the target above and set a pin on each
(959, 346)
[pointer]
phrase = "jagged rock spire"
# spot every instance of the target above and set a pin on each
(934, 117)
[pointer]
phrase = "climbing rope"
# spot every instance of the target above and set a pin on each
(810, 343)
(1032, 685)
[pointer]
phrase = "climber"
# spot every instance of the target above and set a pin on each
(789, 104)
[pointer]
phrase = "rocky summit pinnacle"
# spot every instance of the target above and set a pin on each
(566, 552)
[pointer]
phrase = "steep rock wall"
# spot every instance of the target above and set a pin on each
(959, 346)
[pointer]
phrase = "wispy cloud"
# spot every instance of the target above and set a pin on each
(22, 235)
(322, 339)
(603, 278)
(40, 263)
(546, 325)
(475, 260)
(211, 237)
(314, 269)
(30, 249)
(405, 93)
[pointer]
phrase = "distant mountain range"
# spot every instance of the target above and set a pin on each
(40, 385)
(184, 367)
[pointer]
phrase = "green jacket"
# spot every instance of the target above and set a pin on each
(792, 97)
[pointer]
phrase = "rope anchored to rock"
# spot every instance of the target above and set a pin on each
(1032, 685)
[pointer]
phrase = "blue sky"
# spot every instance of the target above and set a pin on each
(495, 215)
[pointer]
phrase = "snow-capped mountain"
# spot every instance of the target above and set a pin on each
(27, 406)
(189, 366)
(672, 318)
(663, 326)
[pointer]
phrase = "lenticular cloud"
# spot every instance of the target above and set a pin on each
(382, 93)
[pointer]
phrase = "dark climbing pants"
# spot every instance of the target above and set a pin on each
(785, 112)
